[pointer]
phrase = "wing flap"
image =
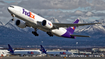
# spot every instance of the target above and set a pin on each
(79, 35)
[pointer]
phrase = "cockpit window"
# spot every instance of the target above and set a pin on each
(12, 6)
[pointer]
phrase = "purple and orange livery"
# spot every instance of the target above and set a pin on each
(11, 50)
(70, 30)
(28, 14)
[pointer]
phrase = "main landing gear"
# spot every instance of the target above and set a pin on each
(35, 32)
(50, 34)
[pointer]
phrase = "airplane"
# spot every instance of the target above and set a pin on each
(55, 53)
(23, 52)
(3, 53)
(30, 19)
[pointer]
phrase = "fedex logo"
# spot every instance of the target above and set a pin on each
(62, 53)
(49, 24)
(73, 28)
(28, 14)
(30, 52)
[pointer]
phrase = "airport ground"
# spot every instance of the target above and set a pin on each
(52, 58)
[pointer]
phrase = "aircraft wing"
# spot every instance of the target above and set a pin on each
(71, 25)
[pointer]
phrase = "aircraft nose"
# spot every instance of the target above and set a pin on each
(10, 8)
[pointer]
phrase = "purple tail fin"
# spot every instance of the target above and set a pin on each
(11, 50)
(42, 49)
(71, 29)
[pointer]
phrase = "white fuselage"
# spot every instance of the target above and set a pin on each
(30, 18)
(4, 52)
(59, 53)
(27, 52)
(37, 22)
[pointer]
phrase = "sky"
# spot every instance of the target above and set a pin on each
(63, 10)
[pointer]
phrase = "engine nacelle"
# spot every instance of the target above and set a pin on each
(20, 24)
(47, 24)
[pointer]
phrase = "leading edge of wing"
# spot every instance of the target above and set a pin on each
(79, 35)
(70, 25)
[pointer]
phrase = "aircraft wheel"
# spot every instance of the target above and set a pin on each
(12, 19)
(50, 34)
(35, 33)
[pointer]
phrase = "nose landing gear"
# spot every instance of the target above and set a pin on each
(12, 17)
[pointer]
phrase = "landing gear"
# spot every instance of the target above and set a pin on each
(35, 32)
(12, 17)
(50, 34)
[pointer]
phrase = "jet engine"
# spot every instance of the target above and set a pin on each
(20, 24)
(47, 24)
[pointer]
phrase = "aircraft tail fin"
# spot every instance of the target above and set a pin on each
(11, 50)
(72, 29)
(43, 49)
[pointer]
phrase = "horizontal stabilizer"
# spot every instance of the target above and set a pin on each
(79, 35)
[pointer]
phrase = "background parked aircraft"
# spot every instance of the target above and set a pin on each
(23, 52)
(55, 53)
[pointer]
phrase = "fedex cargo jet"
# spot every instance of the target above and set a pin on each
(23, 52)
(43, 50)
(30, 19)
